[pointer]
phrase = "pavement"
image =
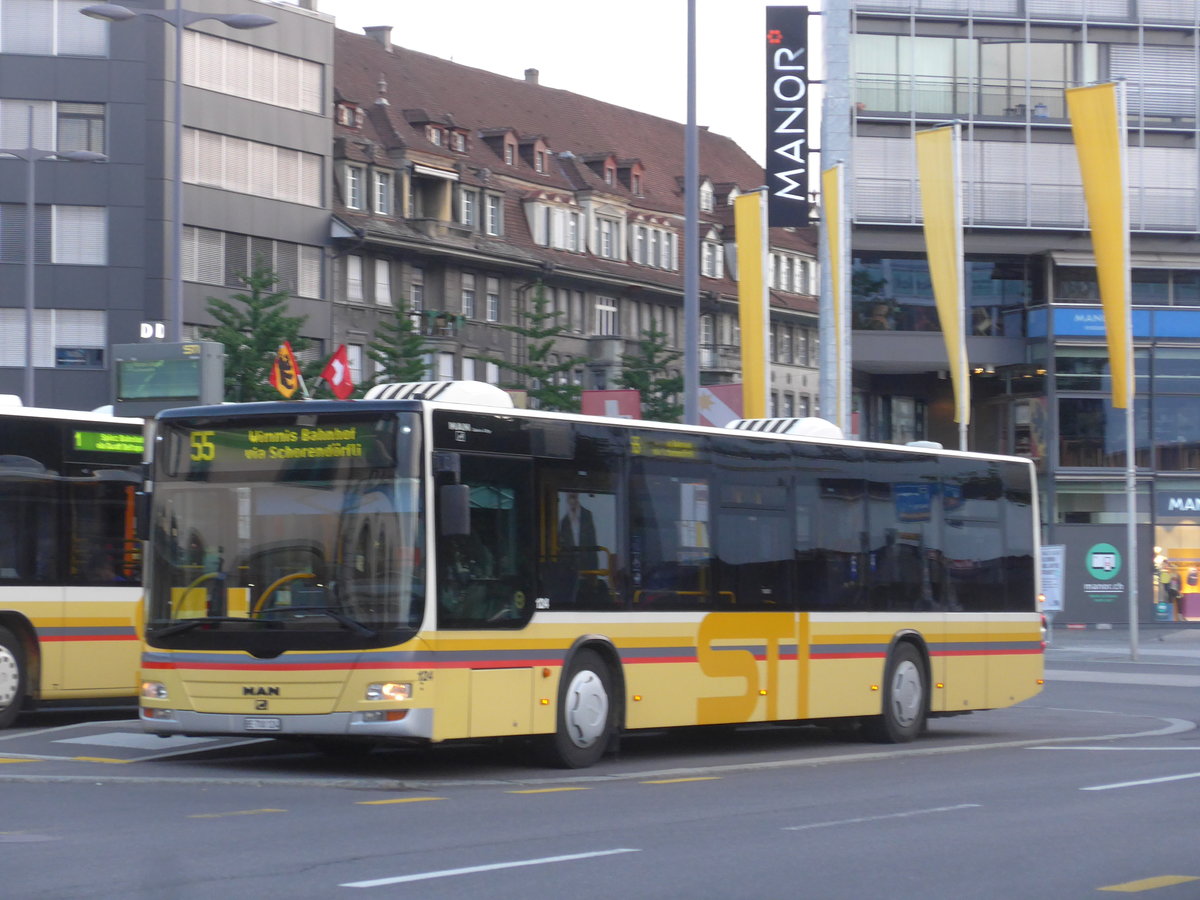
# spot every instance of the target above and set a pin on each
(1166, 643)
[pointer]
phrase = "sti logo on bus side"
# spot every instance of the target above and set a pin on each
(260, 691)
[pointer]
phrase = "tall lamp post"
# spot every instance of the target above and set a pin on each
(180, 18)
(31, 155)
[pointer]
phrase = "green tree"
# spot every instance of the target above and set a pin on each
(398, 349)
(548, 384)
(252, 324)
(647, 371)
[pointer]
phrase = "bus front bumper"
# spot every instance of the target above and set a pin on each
(417, 724)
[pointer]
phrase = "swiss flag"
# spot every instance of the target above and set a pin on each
(337, 373)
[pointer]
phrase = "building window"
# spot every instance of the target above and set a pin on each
(609, 231)
(606, 316)
(354, 187)
(712, 262)
(445, 365)
(706, 197)
(468, 368)
(610, 174)
(383, 193)
(354, 356)
(80, 126)
(510, 153)
(494, 223)
(383, 282)
(468, 208)
(62, 338)
(491, 373)
(434, 135)
(65, 235)
(459, 141)
(468, 295)
(493, 299)
(354, 279)
(239, 70)
(416, 290)
(539, 161)
(637, 185)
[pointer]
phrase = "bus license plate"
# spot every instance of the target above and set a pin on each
(262, 723)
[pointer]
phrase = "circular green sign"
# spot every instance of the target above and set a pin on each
(1104, 562)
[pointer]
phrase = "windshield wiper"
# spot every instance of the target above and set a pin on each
(340, 617)
(189, 624)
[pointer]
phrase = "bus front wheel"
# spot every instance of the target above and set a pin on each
(905, 699)
(12, 677)
(585, 714)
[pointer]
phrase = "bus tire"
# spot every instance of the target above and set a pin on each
(585, 714)
(12, 677)
(905, 699)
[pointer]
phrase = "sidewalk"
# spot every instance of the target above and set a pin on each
(1163, 643)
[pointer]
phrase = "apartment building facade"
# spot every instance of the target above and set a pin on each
(463, 193)
(1036, 339)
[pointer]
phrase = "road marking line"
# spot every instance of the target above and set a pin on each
(1125, 784)
(901, 815)
(553, 790)
(470, 870)
(240, 812)
(677, 780)
(1149, 884)
(397, 800)
(1192, 749)
(6, 760)
(100, 759)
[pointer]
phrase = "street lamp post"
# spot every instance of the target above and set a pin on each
(31, 155)
(180, 18)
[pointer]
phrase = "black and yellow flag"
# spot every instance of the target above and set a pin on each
(285, 374)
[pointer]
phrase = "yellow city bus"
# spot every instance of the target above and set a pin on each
(70, 565)
(433, 565)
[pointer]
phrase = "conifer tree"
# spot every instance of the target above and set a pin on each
(252, 324)
(647, 371)
(398, 350)
(547, 384)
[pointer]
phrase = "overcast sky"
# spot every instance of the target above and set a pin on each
(629, 52)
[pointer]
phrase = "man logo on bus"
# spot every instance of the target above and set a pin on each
(1103, 561)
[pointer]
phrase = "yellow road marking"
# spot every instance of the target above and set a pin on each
(7, 760)
(100, 759)
(397, 800)
(549, 790)
(677, 780)
(240, 812)
(1150, 884)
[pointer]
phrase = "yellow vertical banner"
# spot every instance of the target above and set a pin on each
(1098, 126)
(749, 217)
(938, 170)
(831, 213)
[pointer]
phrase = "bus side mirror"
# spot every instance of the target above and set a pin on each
(454, 501)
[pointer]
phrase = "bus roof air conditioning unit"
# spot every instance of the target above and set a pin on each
(467, 393)
(805, 426)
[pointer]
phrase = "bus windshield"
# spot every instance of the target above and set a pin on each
(286, 532)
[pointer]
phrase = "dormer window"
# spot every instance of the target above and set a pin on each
(433, 134)
(610, 174)
(347, 115)
(458, 141)
(706, 197)
(510, 153)
(637, 185)
(539, 162)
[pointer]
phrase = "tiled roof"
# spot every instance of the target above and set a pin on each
(578, 130)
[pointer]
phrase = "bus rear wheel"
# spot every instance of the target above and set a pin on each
(12, 677)
(905, 699)
(585, 714)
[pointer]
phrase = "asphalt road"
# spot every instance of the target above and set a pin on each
(1092, 787)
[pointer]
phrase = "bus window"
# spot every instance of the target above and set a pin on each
(753, 527)
(900, 529)
(485, 576)
(670, 552)
(974, 540)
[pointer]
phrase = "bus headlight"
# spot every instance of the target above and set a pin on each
(389, 690)
(154, 690)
